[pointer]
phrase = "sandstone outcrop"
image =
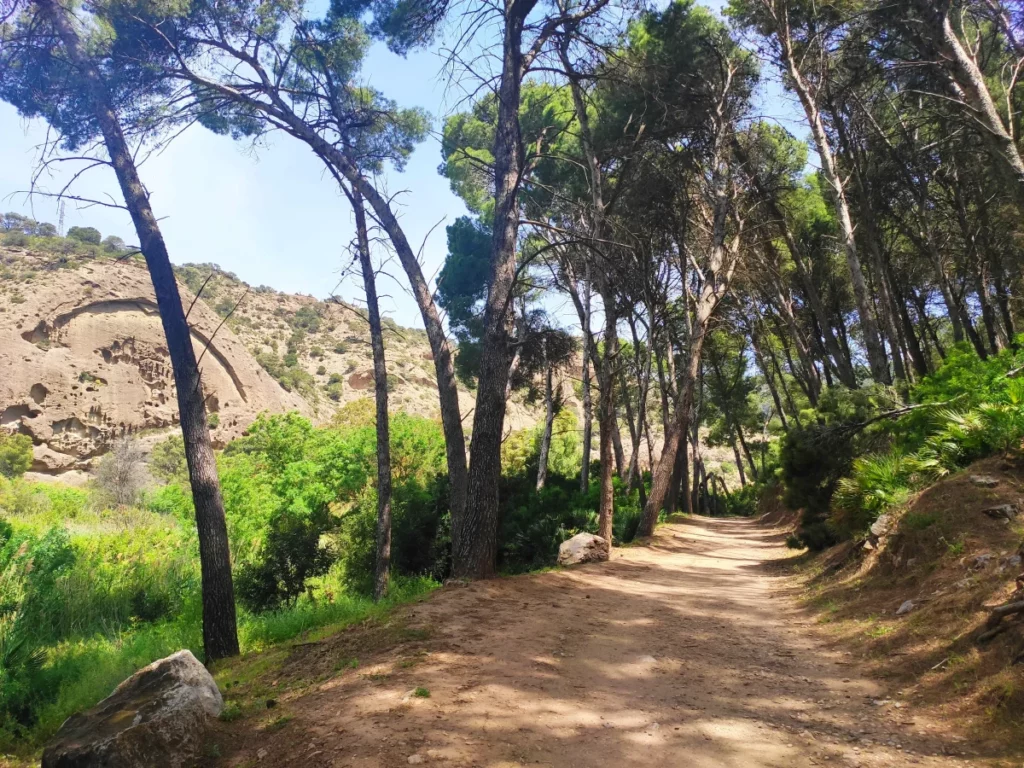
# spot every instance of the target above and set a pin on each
(83, 361)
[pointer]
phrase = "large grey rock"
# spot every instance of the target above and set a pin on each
(583, 548)
(155, 718)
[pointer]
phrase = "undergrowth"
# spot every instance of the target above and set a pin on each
(851, 463)
(90, 593)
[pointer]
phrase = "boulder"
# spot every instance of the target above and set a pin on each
(905, 607)
(157, 717)
(583, 548)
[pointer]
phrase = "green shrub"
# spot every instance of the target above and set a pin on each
(167, 460)
(173, 500)
(875, 483)
(420, 535)
(30, 564)
(306, 319)
(15, 454)
(291, 555)
(846, 466)
(64, 502)
(89, 235)
(743, 501)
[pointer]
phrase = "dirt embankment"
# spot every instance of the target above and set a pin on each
(914, 604)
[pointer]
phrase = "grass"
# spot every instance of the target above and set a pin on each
(92, 668)
(421, 693)
(277, 723)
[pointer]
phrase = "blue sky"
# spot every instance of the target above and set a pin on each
(268, 213)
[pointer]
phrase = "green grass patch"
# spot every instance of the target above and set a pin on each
(918, 521)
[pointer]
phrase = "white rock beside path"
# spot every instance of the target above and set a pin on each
(583, 548)
(157, 717)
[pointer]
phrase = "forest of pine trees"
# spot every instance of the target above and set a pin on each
(784, 288)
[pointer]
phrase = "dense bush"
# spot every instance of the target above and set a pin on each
(843, 474)
(292, 553)
(15, 454)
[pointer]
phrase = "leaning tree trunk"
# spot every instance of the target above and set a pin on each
(444, 368)
(840, 361)
(475, 553)
(678, 431)
(872, 340)
(968, 82)
(382, 568)
(220, 634)
(588, 408)
(549, 420)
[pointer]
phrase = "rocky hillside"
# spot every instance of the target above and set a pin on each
(82, 357)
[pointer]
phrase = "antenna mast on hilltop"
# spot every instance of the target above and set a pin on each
(60, 219)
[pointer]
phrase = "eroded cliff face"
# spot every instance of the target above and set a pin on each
(83, 361)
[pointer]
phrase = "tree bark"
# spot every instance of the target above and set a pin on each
(588, 408)
(841, 363)
(968, 82)
(739, 464)
(447, 388)
(607, 427)
(769, 377)
(475, 552)
(220, 634)
(549, 420)
(830, 171)
(382, 567)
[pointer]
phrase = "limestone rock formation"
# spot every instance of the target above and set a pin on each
(83, 361)
(158, 716)
(583, 548)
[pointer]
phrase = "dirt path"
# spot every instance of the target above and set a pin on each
(673, 654)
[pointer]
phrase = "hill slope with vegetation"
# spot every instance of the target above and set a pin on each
(268, 351)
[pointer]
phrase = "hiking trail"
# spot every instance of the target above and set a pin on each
(686, 651)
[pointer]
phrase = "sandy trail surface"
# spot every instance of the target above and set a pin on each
(685, 651)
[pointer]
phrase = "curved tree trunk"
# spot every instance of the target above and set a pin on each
(447, 389)
(830, 170)
(968, 82)
(220, 635)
